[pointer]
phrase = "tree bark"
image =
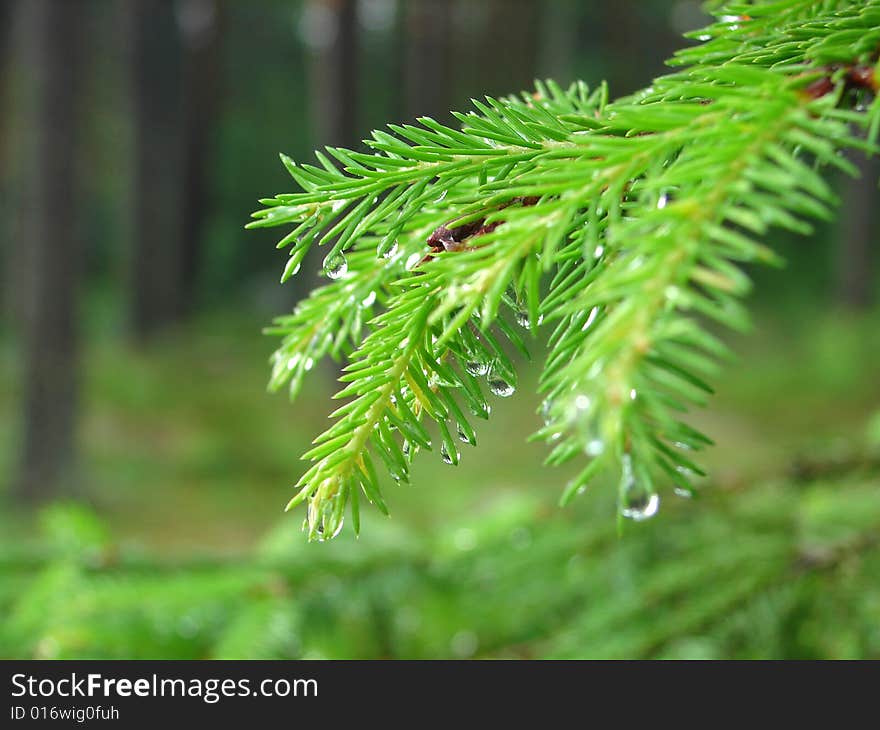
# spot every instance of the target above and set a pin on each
(155, 267)
(50, 329)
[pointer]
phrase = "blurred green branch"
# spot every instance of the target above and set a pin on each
(748, 577)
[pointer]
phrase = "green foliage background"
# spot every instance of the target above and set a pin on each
(777, 559)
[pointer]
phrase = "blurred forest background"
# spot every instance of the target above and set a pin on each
(143, 466)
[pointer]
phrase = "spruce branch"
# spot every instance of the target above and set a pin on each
(621, 224)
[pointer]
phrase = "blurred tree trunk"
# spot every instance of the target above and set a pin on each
(7, 14)
(495, 47)
(427, 59)
(200, 26)
(50, 331)
(331, 35)
(7, 8)
(620, 27)
(558, 41)
(859, 235)
(155, 275)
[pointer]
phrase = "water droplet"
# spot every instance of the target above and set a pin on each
(441, 197)
(662, 200)
(499, 386)
(323, 534)
(641, 506)
(308, 364)
(335, 266)
(293, 362)
(598, 251)
(547, 412)
(582, 402)
(476, 367)
(413, 261)
(369, 300)
(636, 502)
(594, 312)
(463, 437)
(448, 457)
(633, 394)
(391, 252)
(682, 492)
(594, 447)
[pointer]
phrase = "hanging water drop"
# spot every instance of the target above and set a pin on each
(335, 266)
(594, 447)
(662, 200)
(369, 300)
(641, 505)
(476, 367)
(682, 492)
(547, 412)
(499, 386)
(324, 534)
(636, 502)
(391, 252)
(463, 437)
(413, 261)
(594, 312)
(445, 454)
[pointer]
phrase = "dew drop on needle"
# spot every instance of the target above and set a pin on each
(335, 266)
